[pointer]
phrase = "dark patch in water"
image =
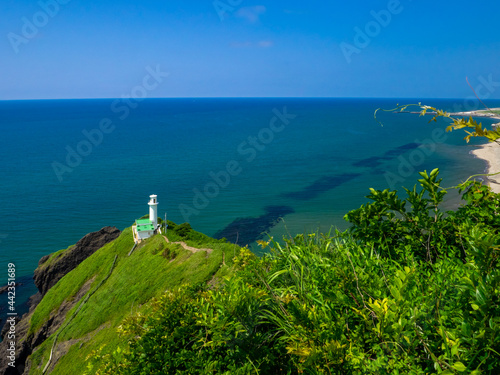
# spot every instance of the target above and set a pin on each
(395, 152)
(375, 161)
(327, 183)
(250, 229)
(372, 162)
(320, 186)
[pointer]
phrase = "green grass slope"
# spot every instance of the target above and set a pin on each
(154, 267)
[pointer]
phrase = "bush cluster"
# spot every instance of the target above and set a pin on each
(184, 232)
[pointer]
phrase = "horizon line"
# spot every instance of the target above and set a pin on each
(257, 97)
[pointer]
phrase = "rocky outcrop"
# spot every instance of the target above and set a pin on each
(5, 288)
(50, 270)
(47, 275)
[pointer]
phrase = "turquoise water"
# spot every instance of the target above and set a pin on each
(308, 160)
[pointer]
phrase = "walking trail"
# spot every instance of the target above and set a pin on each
(189, 248)
(195, 250)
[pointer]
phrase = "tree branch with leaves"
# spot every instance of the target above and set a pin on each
(492, 135)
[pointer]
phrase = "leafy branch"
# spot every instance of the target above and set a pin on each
(492, 135)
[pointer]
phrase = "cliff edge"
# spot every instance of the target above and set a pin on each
(51, 268)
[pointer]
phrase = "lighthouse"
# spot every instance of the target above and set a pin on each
(145, 228)
(153, 210)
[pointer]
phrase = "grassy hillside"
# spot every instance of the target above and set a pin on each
(154, 267)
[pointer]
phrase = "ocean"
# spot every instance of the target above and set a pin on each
(231, 167)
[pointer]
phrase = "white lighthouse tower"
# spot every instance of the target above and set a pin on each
(153, 210)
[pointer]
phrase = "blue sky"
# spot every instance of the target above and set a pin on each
(246, 48)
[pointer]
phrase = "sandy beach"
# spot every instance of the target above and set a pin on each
(491, 153)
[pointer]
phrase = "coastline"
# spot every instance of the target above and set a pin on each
(490, 152)
(493, 113)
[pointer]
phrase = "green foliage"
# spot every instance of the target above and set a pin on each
(171, 225)
(184, 232)
(193, 330)
(171, 251)
(403, 229)
(408, 290)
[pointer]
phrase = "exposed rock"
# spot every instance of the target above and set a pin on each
(47, 275)
(6, 327)
(43, 259)
(3, 289)
(34, 300)
(22, 347)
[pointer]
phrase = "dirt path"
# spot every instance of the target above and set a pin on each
(189, 248)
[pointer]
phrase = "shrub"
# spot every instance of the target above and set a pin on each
(183, 230)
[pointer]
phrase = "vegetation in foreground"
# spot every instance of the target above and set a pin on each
(407, 290)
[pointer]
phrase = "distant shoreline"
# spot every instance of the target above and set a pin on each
(479, 113)
(489, 152)
(494, 113)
